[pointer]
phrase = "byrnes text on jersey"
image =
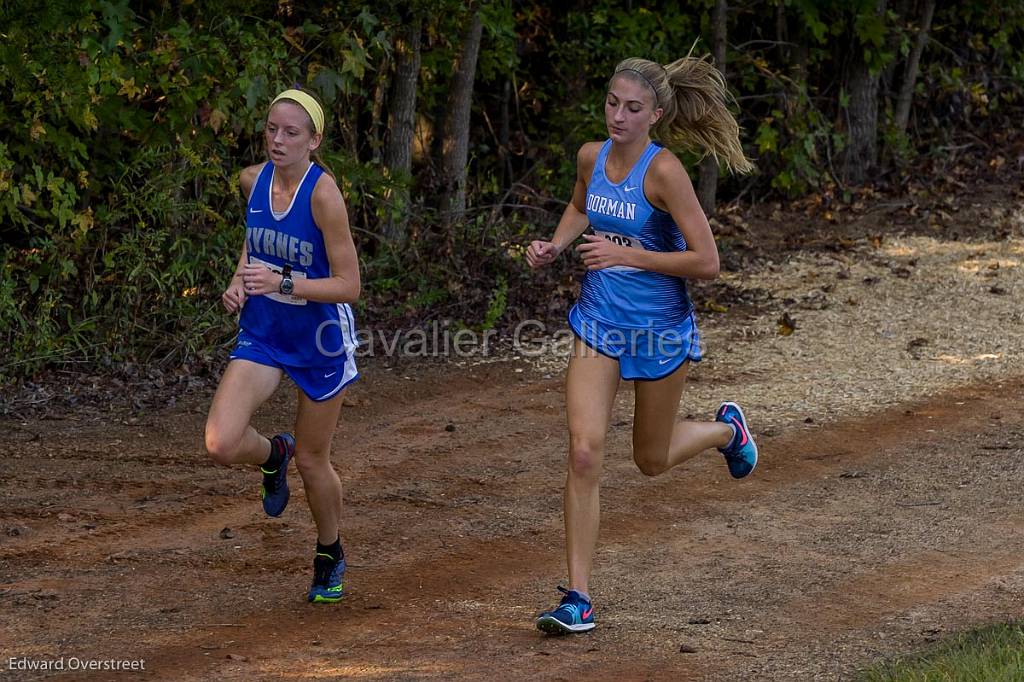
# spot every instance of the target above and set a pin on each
(268, 242)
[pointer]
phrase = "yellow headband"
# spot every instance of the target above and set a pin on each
(311, 106)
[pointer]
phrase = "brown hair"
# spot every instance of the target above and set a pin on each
(694, 98)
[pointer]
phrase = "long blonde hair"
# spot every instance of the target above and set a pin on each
(694, 100)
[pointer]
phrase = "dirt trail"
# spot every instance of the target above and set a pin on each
(863, 539)
(882, 376)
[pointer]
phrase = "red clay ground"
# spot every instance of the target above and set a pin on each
(864, 539)
(892, 518)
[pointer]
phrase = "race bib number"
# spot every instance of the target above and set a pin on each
(621, 239)
(289, 299)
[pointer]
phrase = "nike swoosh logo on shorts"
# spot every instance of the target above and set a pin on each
(328, 376)
(665, 361)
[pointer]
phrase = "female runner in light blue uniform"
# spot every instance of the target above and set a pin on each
(295, 279)
(634, 319)
(642, 318)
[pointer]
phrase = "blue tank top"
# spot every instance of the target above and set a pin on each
(621, 295)
(297, 332)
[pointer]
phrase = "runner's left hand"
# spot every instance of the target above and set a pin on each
(259, 279)
(599, 253)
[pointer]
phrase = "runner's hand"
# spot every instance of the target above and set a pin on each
(234, 298)
(599, 253)
(540, 253)
(259, 279)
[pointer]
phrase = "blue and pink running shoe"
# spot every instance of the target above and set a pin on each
(741, 452)
(574, 614)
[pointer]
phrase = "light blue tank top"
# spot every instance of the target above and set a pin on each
(297, 332)
(625, 296)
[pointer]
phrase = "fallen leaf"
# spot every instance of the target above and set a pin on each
(787, 325)
(914, 347)
(902, 273)
(216, 119)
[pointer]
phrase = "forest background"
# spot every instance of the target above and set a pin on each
(453, 128)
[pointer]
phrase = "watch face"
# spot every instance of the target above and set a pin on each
(286, 285)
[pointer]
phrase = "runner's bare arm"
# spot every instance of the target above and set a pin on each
(331, 216)
(574, 219)
(668, 188)
(234, 296)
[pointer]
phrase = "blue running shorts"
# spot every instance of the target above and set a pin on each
(318, 383)
(644, 354)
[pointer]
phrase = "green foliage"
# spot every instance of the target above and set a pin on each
(498, 304)
(990, 654)
(123, 125)
(123, 134)
(499, 26)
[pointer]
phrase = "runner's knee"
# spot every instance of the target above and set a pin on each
(649, 467)
(584, 458)
(312, 462)
(221, 450)
(651, 461)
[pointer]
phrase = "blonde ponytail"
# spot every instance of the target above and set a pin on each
(694, 98)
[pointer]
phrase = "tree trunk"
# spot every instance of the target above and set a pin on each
(376, 131)
(398, 154)
(800, 58)
(504, 133)
(861, 154)
(456, 143)
(902, 12)
(708, 185)
(906, 96)
(782, 32)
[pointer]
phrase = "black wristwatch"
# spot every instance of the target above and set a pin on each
(286, 280)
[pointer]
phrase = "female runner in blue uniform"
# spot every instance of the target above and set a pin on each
(295, 280)
(634, 319)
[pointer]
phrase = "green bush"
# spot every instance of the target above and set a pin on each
(123, 125)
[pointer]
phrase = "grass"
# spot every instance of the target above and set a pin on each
(990, 654)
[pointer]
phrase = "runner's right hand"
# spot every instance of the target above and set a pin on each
(540, 253)
(234, 298)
